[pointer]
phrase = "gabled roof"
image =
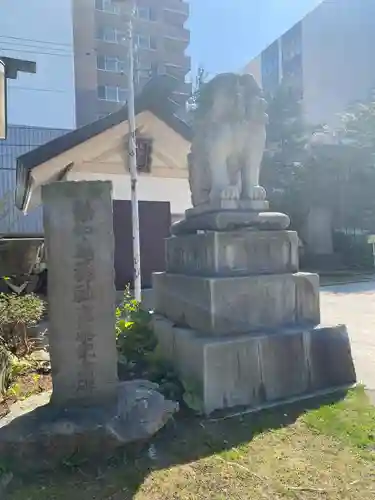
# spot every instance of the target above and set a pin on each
(155, 97)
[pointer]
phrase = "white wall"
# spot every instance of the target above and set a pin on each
(40, 31)
(176, 191)
(338, 57)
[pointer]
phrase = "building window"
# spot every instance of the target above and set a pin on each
(113, 64)
(145, 42)
(111, 35)
(146, 70)
(122, 66)
(107, 34)
(113, 94)
(172, 44)
(146, 13)
(175, 70)
(107, 6)
(107, 63)
(144, 67)
(291, 50)
(122, 94)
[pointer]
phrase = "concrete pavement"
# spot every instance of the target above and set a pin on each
(354, 305)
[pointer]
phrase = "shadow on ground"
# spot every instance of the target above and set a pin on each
(351, 288)
(185, 440)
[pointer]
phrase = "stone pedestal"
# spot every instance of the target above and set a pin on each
(78, 225)
(240, 323)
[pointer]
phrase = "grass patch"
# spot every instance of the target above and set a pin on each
(28, 377)
(351, 421)
(324, 453)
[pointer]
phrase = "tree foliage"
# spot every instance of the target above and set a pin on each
(358, 124)
(338, 174)
(356, 185)
(17, 314)
(284, 163)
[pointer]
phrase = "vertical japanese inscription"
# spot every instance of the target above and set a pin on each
(84, 276)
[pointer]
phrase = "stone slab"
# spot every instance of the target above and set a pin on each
(284, 368)
(330, 357)
(226, 306)
(221, 373)
(218, 205)
(39, 436)
(230, 220)
(307, 298)
(78, 227)
(235, 253)
(254, 371)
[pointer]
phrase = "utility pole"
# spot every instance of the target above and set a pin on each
(132, 152)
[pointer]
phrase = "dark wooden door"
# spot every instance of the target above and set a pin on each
(154, 226)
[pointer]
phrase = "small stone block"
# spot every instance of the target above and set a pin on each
(230, 220)
(307, 298)
(233, 373)
(284, 367)
(330, 358)
(237, 253)
(224, 306)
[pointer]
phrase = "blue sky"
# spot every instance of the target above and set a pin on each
(226, 34)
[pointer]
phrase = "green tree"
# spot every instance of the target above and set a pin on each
(357, 126)
(338, 174)
(356, 138)
(284, 163)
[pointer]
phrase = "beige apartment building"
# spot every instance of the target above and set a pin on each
(328, 57)
(101, 51)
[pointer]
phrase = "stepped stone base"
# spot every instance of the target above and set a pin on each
(234, 253)
(259, 369)
(234, 305)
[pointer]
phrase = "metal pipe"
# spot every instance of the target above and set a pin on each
(3, 99)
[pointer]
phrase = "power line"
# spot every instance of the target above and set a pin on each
(37, 47)
(34, 40)
(60, 91)
(71, 55)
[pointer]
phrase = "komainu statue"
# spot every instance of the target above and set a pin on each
(229, 128)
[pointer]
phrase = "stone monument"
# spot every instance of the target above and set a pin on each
(233, 314)
(78, 225)
(90, 409)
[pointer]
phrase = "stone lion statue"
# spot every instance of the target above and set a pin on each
(229, 134)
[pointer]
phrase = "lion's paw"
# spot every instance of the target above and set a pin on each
(230, 193)
(257, 193)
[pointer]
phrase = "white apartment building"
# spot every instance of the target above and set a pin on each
(327, 56)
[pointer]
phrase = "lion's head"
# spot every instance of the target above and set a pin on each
(230, 97)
